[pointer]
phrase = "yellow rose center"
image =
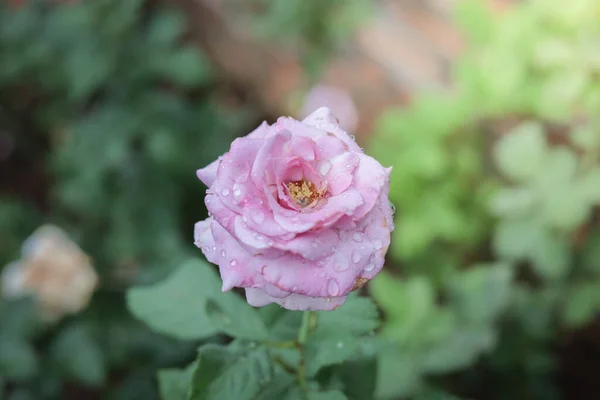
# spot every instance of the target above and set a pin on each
(304, 193)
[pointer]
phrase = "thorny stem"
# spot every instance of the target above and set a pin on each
(309, 322)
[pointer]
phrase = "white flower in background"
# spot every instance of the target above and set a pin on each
(53, 269)
(337, 100)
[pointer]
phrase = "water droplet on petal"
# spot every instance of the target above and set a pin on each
(352, 137)
(324, 167)
(341, 267)
(233, 263)
(355, 257)
(225, 192)
(314, 244)
(223, 253)
(214, 248)
(294, 289)
(258, 216)
(378, 245)
(333, 249)
(357, 236)
(333, 288)
(393, 207)
(328, 300)
(206, 249)
(370, 267)
(237, 192)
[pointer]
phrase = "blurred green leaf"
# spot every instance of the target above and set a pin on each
(520, 153)
(186, 66)
(330, 395)
(582, 304)
(174, 383)
(482, 292)
(177, 306)
(18, 359)
(79, 355)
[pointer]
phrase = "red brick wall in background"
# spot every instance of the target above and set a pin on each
(406, 46)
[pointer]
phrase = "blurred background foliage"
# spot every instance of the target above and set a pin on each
(493, 277)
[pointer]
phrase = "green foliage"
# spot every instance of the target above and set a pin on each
(268, 358)
(496, 190)
(110, 112)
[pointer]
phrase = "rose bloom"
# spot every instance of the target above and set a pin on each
(54, 270)
(299, 215)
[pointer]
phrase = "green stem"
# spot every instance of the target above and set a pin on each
(309, 322)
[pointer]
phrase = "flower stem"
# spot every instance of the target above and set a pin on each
(309, 322)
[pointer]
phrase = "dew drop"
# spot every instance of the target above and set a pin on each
(295, 288)
(355, 257)
(333, 249)
(258, 217)
(314, 244)
(370, 267)
(352, 137)
(270, 243)
(324, 167)
(341, 267)
(378, 245)
(357, 236)
(214, 248)
(233, 263)
(333, 288)
(206, 249)
(207, 200)
(328, 299)
(223, 253)
(237, 192)
(252, 344)
(225, 192)
(340, 345)
(348, 166)
(344, 236)
(393, 207)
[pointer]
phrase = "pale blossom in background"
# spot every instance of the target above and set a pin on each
(54, 270)
(337, 100)
(299, 215)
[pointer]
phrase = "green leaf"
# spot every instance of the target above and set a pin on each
(482, 292)
(398, 374)
(582, 304)
(281, 384)
(328, 348)
(79, 355)
(520, 153)
(515, 239)
(165, 28)
(359, 377)
(233, 316)
(458, 349)
(174, 384)
(358, 316)
(476, 20)
(513, 202)
(17, 358)
(187, 67)
(229, 373)
(177, 306)
(330, 395)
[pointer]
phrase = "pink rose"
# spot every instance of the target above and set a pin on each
(299, 214)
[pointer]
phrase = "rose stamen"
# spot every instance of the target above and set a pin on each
(304, 193)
